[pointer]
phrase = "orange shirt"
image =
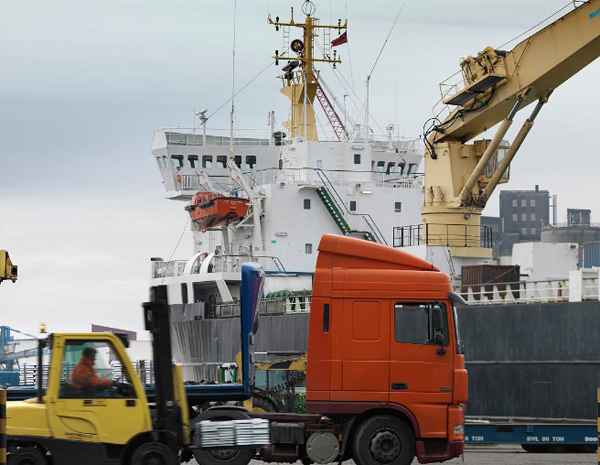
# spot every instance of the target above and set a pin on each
(84, 376)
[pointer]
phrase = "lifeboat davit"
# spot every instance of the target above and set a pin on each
(209, 210)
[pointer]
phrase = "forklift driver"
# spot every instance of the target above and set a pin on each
(84, 378)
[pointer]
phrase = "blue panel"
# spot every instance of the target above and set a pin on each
(531, 434)
(252, 285)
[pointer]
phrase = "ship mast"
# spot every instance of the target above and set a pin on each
(300, 77)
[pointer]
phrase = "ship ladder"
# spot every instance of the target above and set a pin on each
(338, 217)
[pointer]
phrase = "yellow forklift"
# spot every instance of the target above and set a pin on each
(83, 416)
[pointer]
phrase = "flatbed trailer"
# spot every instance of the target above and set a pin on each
(534, 434)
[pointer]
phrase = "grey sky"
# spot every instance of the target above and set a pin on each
(83, 84)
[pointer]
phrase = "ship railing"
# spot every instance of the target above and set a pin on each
(218, 137)
(170, 269)
(233, 263)
(309, 176)
(442, 234)
(286, 305)
(522, 292)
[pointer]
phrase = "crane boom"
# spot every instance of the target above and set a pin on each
(493, 87)
(541, 63)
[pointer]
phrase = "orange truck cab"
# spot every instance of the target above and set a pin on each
(384, 353)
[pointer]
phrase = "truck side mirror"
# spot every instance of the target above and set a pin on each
(438, 327)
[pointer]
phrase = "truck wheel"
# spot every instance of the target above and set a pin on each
(223, 456)
(27, 456)
(383, 440)
(154, 453)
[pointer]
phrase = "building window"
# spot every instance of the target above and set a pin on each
(352, 205)
(412, 168)
(221, 161)
(532, 216)
(177, 161)
(357, 158)
(523, 202)
(523, 231)
(206, 161)
(523, 216)
(193, 161)
(397, 207)
(250, 161)
(533, 231)
(515, 217)
(532, 202)
(238, 160)
(308, 249)
(307, 204)
(515, 203)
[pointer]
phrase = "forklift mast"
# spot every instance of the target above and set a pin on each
(156, 318)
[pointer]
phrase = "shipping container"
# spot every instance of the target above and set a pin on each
(482, 278)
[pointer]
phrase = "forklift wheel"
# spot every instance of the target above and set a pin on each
(27, 456)
(154, 453)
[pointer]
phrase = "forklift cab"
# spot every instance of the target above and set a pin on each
(93, 391)
(93, 369)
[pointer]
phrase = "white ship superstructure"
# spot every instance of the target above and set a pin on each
(295, 187)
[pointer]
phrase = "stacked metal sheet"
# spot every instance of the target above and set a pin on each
(217, 433)
(251, 432)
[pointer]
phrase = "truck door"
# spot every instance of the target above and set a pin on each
(85, 404)
(420, 372)
(366, 350)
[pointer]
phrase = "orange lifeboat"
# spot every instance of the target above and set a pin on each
(209, 210)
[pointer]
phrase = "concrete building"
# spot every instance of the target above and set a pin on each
(524, 212)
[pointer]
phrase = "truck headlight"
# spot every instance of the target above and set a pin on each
(459, 429)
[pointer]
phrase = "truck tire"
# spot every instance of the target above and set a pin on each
(154, 453)
(27, 456)
(383, 440)
(230, 456)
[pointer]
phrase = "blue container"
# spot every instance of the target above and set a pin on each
(9, 378)
(590, 255)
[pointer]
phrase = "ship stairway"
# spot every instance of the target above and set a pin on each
(338, 211)
(334, 119)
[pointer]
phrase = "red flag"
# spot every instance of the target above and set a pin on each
(340, 40)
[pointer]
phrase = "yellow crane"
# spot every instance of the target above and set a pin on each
(491, 88)
(8, 270)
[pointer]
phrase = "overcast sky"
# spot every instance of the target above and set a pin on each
(83, 85)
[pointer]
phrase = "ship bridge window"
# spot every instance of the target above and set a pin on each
(250, 161)
(162, 164)
(238, 160)
(193, 161)
(177, 161)
(221, 161)
(400, 168)
(397, 207)
(412, 168)
(380, 166)
(390, 168)
(206, 161)
(357, 158)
